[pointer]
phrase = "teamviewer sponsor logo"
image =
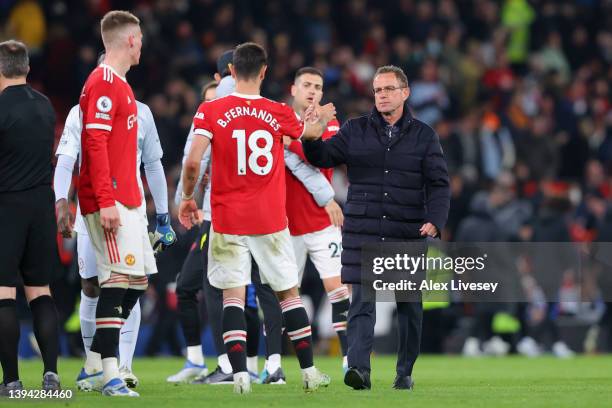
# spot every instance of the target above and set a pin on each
(130, 121)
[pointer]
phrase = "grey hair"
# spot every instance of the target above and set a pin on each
(399, 73)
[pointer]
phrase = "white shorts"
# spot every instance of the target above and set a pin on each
(87, 257)
(128, 252)
(229, 260)
(324, 248)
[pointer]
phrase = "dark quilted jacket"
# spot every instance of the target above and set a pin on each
(396, 185)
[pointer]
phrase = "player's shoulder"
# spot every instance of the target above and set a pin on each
(103, 76)
(73, 114)
(144, 110)
(97, 75)
(277, 106)
(41, 96)
(217, 103)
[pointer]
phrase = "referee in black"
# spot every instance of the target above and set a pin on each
(28, 253)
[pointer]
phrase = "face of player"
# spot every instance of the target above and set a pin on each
(307, 90)
(135, 45)
(210, 94)
(389, 96)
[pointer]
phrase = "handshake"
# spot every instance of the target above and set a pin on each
(316, 118)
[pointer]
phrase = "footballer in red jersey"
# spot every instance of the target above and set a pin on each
(109, 137)
(247, 173)
(246, 132)
(109, 196)
(315, 231)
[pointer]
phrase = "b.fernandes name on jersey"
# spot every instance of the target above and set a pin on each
(239, 111)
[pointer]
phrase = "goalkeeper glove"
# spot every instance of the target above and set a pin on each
(164, 236)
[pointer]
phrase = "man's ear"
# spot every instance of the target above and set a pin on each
(217, 77)
(406, 92)
(293, 90)
(262, 73)
(232, 71)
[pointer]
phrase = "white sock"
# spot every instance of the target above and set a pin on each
(224, 363)
(243, 374)
(345, 361)
(111, 368)
(252, 364)
(310, 370)
(273, 363)
(128, 336)
(93, 363)
(87, 317)
(194, 354)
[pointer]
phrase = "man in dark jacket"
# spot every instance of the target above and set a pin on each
(399, 191)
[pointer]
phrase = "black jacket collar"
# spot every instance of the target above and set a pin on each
(378, 121)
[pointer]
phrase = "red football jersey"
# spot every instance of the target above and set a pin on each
(304, 215)
(108, 142)
(248, 165)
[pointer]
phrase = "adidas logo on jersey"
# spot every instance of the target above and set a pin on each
(107, 74)
(129, 100)
(199, 115)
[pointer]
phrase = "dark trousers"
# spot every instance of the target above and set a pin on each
(360, 332)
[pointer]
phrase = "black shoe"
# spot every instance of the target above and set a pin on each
(278, 377)
(5, 389)
(215, 378)
(403, 383)
(51, 382)
(359, 380)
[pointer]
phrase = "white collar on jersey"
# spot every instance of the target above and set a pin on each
(113, 71)
(245, 96)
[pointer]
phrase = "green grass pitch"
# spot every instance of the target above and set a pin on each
(440, 381)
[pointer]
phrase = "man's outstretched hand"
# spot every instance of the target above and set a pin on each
(189, 214)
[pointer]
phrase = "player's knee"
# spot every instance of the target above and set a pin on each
(33, 292)
(140, 283)
(7, 292)
(332, 283)
(238, 293)
(116, 280)
(90, 287)
(288, 294)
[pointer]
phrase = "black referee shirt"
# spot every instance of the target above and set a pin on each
(27, 126)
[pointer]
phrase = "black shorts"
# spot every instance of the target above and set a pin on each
(191, 275)
(29, 247)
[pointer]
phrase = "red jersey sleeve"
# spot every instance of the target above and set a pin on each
(201, 123)
(290, 125)
(296, 147)
(101, 106)
(332, 128)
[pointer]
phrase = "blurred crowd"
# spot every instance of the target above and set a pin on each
(519, 92)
